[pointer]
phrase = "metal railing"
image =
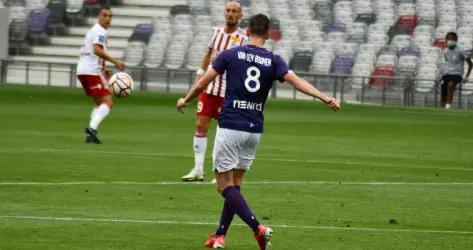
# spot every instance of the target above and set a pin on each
(398, 91)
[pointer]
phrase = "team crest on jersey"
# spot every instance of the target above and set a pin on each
(101, 39)
(235, 41)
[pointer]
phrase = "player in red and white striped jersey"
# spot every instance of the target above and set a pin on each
(220, 42)
(210, 101)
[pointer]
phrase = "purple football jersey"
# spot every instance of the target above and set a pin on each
(251, 72)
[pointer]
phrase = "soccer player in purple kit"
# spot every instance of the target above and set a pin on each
(251, 71)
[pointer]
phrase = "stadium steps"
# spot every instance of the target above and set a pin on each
(39, 58)
(122, 21)
(67, 51)
(112, 32)
(160, 3)
(115, 43)
(139, 11)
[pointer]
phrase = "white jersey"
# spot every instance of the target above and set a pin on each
(89, 62)
(220, 42)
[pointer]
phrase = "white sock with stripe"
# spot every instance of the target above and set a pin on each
(102, 111)
(200, 146)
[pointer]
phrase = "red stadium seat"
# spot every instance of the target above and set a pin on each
(440, 43)
(380, 76)
(407, 22)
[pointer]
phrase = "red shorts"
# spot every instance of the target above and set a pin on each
(209, 105)
(94, 85)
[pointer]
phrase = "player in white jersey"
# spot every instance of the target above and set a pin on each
(211, 99)
(93, 75)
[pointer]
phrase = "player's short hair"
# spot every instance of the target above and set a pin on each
(105, 7)
(453, 34)
(259, 25)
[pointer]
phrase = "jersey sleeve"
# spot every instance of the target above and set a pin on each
(465, 54)
(280, 68)
(212, 38)
(221, 63)
(99, 37)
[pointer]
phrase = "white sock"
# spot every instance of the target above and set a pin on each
(102, 111)
(200, 146)
(448, 106)
(94, 111)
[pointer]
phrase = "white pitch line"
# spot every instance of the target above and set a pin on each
(267, 158)
(164, 222)
(178, 183)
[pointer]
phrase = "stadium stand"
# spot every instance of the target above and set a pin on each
(368, 39)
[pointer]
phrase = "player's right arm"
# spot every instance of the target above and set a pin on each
(196, 89)
(100, 52)
(307, 88)
(206, 60)
(203, 66)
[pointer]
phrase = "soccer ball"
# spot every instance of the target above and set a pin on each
(121, 84)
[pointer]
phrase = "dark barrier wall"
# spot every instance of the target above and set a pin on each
(4, 12)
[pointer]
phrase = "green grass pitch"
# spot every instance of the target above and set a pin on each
(363, 178)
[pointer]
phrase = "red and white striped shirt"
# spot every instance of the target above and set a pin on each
(220, 42)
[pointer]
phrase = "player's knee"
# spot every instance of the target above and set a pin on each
(202, 127)
(451, 86)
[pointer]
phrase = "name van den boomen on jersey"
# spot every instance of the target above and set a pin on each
(254, 58)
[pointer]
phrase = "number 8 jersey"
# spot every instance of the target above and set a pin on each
(250, 72)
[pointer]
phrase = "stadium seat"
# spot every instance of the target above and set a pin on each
(156, 49)
(35, 4)
(400, 41)
(75, 12)
(17, 12)
(180, 10)
(363, 11)
(196, 3)
(176, 59)
(269, 45)
(11, 3)
(301, 61)
(284, 49)
(382, 76)
(162, 25)
(134, 53)
(323, 10)
(18, 32)
(38, 26)
(245, 3)
(142, 32)
(196, 51)
(274, 32)
(304, 46)
(343, 64)
(56, 19)
(426, 79)
(356, 32)
(92, 7)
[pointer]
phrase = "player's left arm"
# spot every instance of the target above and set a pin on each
(197, 88)
(307, 88)
(470, 67)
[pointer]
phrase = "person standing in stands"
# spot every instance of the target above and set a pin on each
(455, 58)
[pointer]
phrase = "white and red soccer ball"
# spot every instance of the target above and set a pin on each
(121, 84)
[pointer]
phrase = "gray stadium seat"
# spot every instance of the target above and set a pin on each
(56, 20)
(75, 12)
(134, 53)
(17, 36)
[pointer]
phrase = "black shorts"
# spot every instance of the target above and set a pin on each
(456, 79)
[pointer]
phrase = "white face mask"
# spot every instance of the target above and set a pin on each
(451, 44)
